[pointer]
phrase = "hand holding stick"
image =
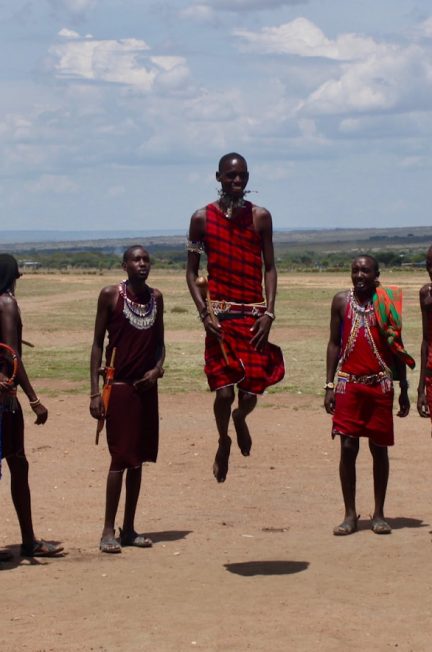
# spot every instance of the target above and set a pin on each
(106, 393)
(202, 284)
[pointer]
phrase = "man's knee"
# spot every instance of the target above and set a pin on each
(349, 447)
(247, 400)
(379, 453)
(225, 395)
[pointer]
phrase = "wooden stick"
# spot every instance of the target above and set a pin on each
(202, 283)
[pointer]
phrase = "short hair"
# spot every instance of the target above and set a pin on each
(230, 157)
(373, 260)
(127, 254)
(9, 272)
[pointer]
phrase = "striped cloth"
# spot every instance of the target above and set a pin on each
(234, 261)
(234, 264)
(387, 303)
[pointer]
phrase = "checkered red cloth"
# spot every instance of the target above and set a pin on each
(234, 264)
(234, 261)
(253, 371)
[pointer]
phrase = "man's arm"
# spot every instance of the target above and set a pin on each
(105, 305)
(425, 304)
(9, 320)
(263, 225)
(333, 347)
(197, 234)
(151, 376)
(404, 402)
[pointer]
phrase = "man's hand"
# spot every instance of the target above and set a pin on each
(404, 404)
(41, 413)
(149, 379)
(261, 330)
(329, 401)
(422, 405)
(213, 329)
(97, 409)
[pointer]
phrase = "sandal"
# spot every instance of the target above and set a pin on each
(347, 527)
(380, 526)
(40, 548)
(134, 539)
(110, 545)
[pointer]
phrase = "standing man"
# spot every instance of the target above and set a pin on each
(11, 416)
(365, 352)
(132, 315)
(236, 236)
(424, 391)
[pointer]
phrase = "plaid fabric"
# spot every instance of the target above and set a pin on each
(234, 261)
(253, 371)
(388, 310)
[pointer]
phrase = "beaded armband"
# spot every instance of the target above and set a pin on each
(195, 246)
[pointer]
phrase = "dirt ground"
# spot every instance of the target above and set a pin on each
(246, 565)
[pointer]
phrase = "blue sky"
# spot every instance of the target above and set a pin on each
(114, 113)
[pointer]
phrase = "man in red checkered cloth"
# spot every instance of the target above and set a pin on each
(236, 236)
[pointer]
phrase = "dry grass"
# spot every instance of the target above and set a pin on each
(58, 313)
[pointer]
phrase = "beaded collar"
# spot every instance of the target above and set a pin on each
(140, 315)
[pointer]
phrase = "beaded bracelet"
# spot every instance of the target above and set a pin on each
(94, 395)
(203, 314)
(270, 314)
(35, 403)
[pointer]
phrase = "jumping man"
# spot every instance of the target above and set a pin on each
(236, 236)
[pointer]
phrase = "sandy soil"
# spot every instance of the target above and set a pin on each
(247, 565)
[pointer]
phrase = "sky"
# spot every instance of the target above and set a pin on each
(114, 113)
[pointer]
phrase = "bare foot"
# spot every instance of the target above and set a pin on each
(244, 439)
(220, 465)
(348, 526)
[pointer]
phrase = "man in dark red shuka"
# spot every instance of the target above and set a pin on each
(236, 236)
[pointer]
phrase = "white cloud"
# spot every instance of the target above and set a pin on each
(116, 61)
(303, 38)
(398, 80)
(200, 13)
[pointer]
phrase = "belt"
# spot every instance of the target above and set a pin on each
(371, 379)
(238, 309)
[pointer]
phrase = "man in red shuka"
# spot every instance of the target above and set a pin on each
(236, 236)
(364, 354)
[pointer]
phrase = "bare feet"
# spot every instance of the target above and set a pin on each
(348, 526)
(220, 465)
(244, 439)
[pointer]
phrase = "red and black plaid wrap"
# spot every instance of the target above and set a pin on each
(234, 263)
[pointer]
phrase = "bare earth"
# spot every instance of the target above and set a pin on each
(247, 565)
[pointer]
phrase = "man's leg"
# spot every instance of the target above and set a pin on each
(222, 411)
(380, 475)
(113, 490)
(246, 403)
(128, 535)
(133, 486)
(20, 491)
(347, 474)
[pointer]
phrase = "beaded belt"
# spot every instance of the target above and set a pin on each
(372, 379)
(238, 309)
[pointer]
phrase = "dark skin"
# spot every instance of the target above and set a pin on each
(364, 278)
(137, 268)
(425, 306)
(18, 464)
(233, 178)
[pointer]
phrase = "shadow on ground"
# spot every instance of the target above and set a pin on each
(168, 535)
(397, 523)
(250, 568)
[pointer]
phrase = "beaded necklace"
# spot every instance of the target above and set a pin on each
(362, 317)
(140, 315)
